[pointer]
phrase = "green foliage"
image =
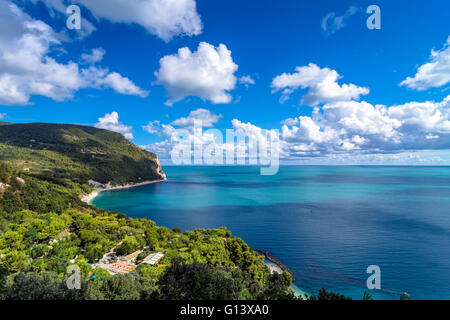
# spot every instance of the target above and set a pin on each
(14, 261)
(120, 287)
(277, 288)
(129, 245)
(64, 154)
(367, 296)
(197, 281)
(326, 296)
(32, 286)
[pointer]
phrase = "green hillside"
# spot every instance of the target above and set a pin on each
(72, 153)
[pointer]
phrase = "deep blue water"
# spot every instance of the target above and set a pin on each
(328, 224)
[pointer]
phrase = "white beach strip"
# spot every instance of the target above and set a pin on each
(297, 291)
(91, 196)
(273, 267)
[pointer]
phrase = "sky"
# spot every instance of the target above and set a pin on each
(336, 91)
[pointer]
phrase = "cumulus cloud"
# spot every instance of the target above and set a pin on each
(197, 118)
(336, 129)
(187, 131)
(163, 18)
(433, 74)
(123, 85)
(96, 55)
(332, 23)
(290, 121)
(207, 73)
(246, 81)
(362, 127)
(341, 124)
(26, 67)
(110, 121)
(152, 127)
(2, 116)
(321, 82)
(203, 117)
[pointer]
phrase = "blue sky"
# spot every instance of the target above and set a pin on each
(264, 39)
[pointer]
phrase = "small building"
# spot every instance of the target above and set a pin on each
(153, 259)
(120, 267)
(131, 257)
(108, 257)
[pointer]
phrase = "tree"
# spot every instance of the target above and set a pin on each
(3, 276)
(129, 245)
(15, 261)
(288, 278)
(367, 296)
(276, 288)
(176, 230)
(120, 287)
(31, 286)
(196, 281)
(325, 295)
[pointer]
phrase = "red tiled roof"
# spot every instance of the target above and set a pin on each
(120, 267)
(131, 256)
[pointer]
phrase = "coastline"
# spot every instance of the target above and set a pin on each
(91, 196)
(277, 266)
(270, 261)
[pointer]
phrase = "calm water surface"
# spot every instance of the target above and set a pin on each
(328, 224)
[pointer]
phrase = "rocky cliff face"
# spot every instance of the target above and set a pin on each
(160, 171)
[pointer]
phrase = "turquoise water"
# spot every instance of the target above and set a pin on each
(327, 224)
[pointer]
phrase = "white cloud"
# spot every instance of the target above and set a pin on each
(95, 56)
(152, 127)
(26, 67)
(188, 135)
(339, 127)
(163, 18)
(290, 121)
(110, 121)
(322, 84)
(433, 74)
(339, 130)
(123, 85)
(2, 116)
(246, 80)
(332, 23)
(207, 73)
(202, 117)
(362, 127)
(196, 118)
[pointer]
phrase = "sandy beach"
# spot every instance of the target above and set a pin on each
(273, 267)
(91, 196)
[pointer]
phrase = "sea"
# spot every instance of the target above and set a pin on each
(328, 224)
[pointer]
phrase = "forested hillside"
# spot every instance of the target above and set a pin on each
(70, 153)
